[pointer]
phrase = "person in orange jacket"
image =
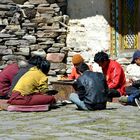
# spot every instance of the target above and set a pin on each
(77, 59)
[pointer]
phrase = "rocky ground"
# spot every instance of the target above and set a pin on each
(117, 122)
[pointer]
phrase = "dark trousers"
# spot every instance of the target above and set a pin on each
(132, 93)
(33, 99)
(99, 106)
(112, 93)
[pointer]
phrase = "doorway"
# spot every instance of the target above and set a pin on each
(124, 26)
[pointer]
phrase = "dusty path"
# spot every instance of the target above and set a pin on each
(117, 122)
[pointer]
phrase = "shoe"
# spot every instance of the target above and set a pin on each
(109, 99)
(54, 106)
(66, 102)
(123, 99)
(51, 92)
(137, 101)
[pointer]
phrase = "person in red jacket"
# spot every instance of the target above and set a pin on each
(114, 73)
(6, 77)
(77, 59)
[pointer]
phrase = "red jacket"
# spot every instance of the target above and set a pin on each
(115, 76)
(6, 77)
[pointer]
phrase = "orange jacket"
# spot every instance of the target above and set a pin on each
(74, 74)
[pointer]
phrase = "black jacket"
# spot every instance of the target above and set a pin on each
(91, 88)
(136, 84)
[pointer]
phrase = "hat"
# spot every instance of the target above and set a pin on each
(77, 58)
(135, 56)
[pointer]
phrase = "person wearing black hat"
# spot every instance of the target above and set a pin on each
(133, 84)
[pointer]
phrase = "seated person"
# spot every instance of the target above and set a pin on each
(31, 88)
(90, 89)
(6, 77)
(114, 73)
(133, 82)
(76, 60)
(33, 61)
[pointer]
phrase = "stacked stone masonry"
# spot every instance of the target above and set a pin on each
(34, 27)
(42, 27)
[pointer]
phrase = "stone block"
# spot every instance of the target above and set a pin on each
(38, 1)
(55, 57)
(39, 52)
(60, 66)
(12, 57)
(58, 45)
(17, 43)
(5, 51)
(45, 9)
(23, 51)
(6, 1)
(53, 50)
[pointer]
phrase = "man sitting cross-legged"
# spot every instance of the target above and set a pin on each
(90, 89)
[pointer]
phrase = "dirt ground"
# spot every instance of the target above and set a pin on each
(117, 122)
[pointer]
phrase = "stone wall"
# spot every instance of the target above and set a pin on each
(37, 27)
(42, 27)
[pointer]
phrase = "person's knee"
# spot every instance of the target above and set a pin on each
(71, 96)
(51, 99)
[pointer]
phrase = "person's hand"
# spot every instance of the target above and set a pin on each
(129, 82)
